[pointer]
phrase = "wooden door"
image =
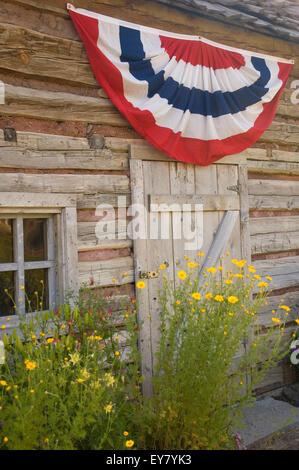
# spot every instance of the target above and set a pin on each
(158, 182)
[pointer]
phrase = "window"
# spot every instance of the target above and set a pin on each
(38, 252)
(27, 263)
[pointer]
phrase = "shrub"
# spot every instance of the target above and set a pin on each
(203, 379)
(65, 384)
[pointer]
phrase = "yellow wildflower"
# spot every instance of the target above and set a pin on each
(140, 285)
(228, 281)
(262, 284)
(297, 321)
(269, 278)
(232, 299)
(108, 408)
(257, 277)
(50, 340)
(182, 275)
(116, 353)
(163, 266)
(209, 295)
(129, 443)
(5, 439)
(192, 265)
(3, 383)
(212, 270)
(219, 298)
(30, 365)
(178, 302)
(126, 433)
(196, 295)
(285, 307)
(251, 269)
(110, 380)
(74, 358)
(275, 320)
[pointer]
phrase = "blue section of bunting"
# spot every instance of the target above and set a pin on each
(181, 97)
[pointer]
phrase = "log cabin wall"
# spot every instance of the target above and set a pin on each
(57, 108)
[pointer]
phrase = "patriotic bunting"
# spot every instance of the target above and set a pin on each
(193, 99)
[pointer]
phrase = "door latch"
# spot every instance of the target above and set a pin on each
(148, 274)
(235, 188)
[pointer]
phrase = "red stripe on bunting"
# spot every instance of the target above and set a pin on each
(200, 53)
(196, 151)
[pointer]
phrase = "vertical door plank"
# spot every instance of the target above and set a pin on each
(141, 264)
(182, 181)
(159, 250)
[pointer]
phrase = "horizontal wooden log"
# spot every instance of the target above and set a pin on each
(219, 202)
(274, 167)
(145, 151)
(281, 133)
(272, 242)
(118, 144)
(274, 202)
(291, 299)
(31, 200)
(273, 224)
(92, 201)
(90, 234)
(107, 273)
(59, 106)
(95, 159)
(273, 187)
(40, 141)
(274, 155)
(36, 54)
(105, 245)
(16, 182)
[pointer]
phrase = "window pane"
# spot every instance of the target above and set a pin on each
(35, 246)
(36, 289)
(6, 304)
(6, 241)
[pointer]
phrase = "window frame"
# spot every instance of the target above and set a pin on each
(61, 213)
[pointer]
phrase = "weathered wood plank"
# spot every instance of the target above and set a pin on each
(41, 141)
(20, 182)
(95, 159)
(272, 242)
(244, 213)
(281, 132)
(59, 106)
(36, 54)
(33, 200)
(220, 202)
(70, 250)
(107, 273)
(141, 263)
(145, 151)
(220, 239)
(273, 187)
(90, 234)
(275, 167)
(291, 299)
(92, 201)
(274, 202)
(274, 224)
(274, 155)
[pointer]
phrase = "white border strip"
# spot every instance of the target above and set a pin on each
(109, 19)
